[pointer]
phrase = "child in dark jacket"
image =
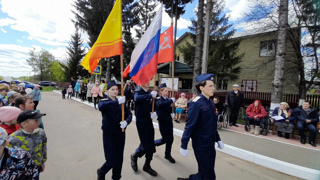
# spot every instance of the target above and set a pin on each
(64, 92)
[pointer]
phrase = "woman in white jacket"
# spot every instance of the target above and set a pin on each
(89, 87)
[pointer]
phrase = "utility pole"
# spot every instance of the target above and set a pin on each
(206, 37)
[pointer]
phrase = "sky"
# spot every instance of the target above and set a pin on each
(46, 24)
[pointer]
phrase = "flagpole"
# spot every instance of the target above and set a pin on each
(154, 88)
(122, 93)
(172, 67)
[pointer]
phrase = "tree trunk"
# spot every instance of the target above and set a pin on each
(108, 73)
(206, 37)
(277, 84)
(199, 45)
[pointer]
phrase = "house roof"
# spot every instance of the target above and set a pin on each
(179, 68)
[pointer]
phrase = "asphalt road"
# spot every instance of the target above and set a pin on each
(75, 149)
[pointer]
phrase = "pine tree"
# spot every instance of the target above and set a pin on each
(75, 52)
(145, 12)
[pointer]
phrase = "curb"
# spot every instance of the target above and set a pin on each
(271, 163)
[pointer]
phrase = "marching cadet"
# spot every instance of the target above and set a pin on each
(144, 116)
(113, 137)
(201, 126)
(164, 109)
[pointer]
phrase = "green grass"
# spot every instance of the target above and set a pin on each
(48, 88)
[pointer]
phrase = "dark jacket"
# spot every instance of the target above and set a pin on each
(17, 164)
(290, 117)
(111, 115)
(235, 100)
(201, 125)
(143, 101)
(84, 89)
(302, 115)
(219, 107)
(164, 109)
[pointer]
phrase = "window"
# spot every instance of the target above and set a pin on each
(249, 86)
(268, 48)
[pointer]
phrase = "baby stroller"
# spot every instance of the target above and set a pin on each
(223, 118)
(265, 124)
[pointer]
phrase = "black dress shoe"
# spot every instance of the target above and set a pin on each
(236, 125)
(134, 164)
(279, 133)
(230, 124)
(170, 159)
(312, 143)
(148, 169)
(286, 135)
(100, 177)
(303, 141)
(179, 178)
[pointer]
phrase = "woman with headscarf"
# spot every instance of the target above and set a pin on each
(255, 112)
(284, 125)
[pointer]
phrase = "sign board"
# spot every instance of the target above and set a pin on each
(97, 70)
(168, 81)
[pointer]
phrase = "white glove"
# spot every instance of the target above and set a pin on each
(153, 115)
(173, 99)
(122, 99)
(134, 118)
(184, 152)
(220, 145)
(123, 124)
(154, 93)
(172, 115)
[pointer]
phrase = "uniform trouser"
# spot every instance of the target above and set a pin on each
(234, 112)
(311, 127)
(166, 130)
(113, 145)
(206, 161)
(146, 135)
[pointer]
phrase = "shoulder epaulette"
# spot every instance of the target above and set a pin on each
(158, 98)
(105, 99)
(196, 99)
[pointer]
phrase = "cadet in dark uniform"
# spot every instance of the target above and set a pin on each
(165, 115)
(143, 109)
(113, 137)
(201, 126)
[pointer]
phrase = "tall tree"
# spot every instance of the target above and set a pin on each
(175, 8)
(75, 52)
(57, 72)
(266, 15)
(145, 12)
(41, 62)
(199, 44)
(277, 84)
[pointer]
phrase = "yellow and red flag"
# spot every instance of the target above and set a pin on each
(109, 42)
(166, 46)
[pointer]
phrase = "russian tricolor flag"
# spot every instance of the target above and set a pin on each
(144, 58)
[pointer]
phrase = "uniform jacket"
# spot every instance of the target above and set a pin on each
(256, 110)
(35, 143)
(290, 117)
(36, 95)
(201, 125)
(302, 115)
(235, 100)
(143, 102)
(89, 87)
(164, 109)
(111, 116)
(182, 102)
(17, 164)
(96, 91)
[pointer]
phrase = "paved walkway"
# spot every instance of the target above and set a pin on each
(75, 149)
